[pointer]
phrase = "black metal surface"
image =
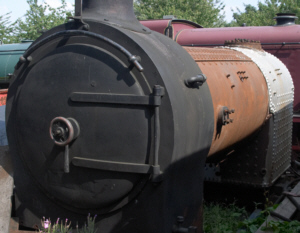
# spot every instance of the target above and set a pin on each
(63, 72)
(285, 19)
(116, 13)
(115, 132)
(115, 99)
(112, 166)
(130, 132)
(67, 160)
(195, 82)
(39, 44)
(178, 228)
(78, 8)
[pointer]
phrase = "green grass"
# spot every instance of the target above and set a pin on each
(219, 218)
(64, 226)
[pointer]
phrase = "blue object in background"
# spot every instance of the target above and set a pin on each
(3, 138)
(9, 56)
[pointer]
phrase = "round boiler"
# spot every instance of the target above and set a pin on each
(239, 92)
(96, 117)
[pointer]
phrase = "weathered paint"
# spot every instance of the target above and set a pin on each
(3, 97)
(221, 67)
(274, 39)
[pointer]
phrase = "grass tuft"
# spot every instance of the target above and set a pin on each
(219, 218)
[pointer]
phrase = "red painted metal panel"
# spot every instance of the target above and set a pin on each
(296, 119)
(161, 25)
(268, 34)
(181, 25)
(296, 148)
(157, 25)
(3, 96)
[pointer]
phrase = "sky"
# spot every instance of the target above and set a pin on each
(18, 7)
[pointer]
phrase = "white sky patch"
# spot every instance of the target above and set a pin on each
(229, 10)
(70, 6)
(19, 7)
(3, 10)
(54, 3)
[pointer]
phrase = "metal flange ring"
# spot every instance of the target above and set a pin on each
(64, 130)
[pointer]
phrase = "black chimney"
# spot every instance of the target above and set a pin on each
(115, 12)
(285, 19)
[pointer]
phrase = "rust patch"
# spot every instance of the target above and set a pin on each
(239, 86)
(209, 54)
(244, 43)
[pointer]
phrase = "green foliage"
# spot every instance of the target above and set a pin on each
(222, 219)
(204, 12)
(283, 227)
(252, 225)
(6, 28)
(230, 219)
(64, 227)
(39, 18)
(89, 227)
(263, 14)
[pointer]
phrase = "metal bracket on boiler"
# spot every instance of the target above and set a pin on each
(178, 228)
(103, 98)
(212, 172)
(78, 15)
(223, 117)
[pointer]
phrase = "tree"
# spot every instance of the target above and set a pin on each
(38, 18)
(204, 12)
(290, 6)
(264, 14)
(6, 28)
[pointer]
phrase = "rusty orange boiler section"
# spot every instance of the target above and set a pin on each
(239, 93)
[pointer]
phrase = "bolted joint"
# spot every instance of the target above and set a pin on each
(24, 59)
(223, 116)
(136, 61)
(86, 27)
(158, 90)
(178, 228)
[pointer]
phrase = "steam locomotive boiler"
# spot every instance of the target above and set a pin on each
(107, 117)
